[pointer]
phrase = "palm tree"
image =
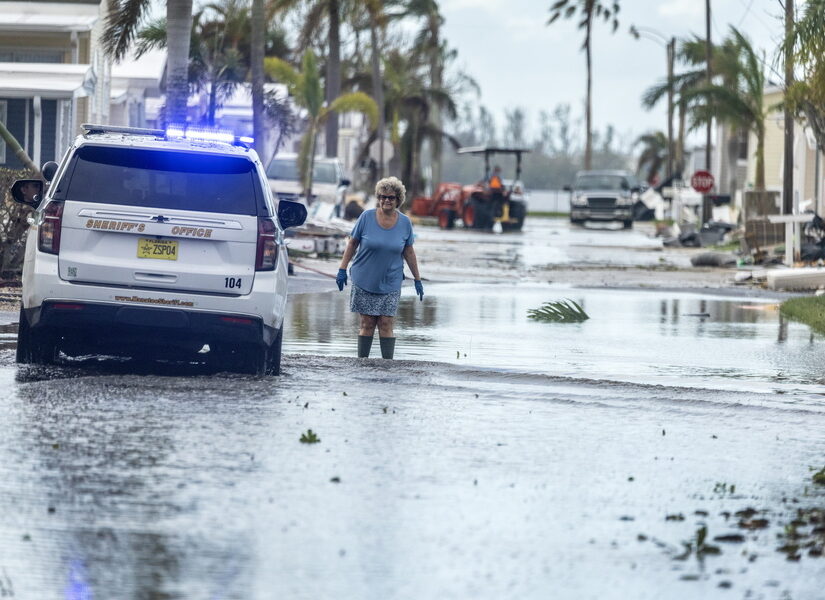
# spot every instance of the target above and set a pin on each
(806, 96)
(217, 63)
(682, 84)
(738, 100)
(318, 12)
(305, 88)
(433, 51)
(588, 11)
(409, 101)
(653, 155)
(256, 73)
(123, 19)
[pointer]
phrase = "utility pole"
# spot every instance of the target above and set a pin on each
(787, 177)
(706, 211)
(671, 51)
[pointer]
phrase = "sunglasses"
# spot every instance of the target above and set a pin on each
(382, 197)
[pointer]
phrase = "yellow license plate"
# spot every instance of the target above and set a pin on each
(163, 249)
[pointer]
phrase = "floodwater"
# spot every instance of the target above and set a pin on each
(496, 458)
(665, 338)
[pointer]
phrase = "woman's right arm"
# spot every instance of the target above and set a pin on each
(349, 252)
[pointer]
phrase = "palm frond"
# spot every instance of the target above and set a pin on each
(122, 22)
(281, 71)
(355, 102)
(558, 311)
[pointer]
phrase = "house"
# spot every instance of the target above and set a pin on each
(54, 76)
(807, 175)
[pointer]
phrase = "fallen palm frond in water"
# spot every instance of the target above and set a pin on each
(560, 311)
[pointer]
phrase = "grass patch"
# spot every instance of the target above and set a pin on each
(547, 213)
(727, 247)
(809, 310)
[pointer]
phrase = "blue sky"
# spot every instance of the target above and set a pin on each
(519, 61)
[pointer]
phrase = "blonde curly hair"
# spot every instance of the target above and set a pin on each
(392, 185)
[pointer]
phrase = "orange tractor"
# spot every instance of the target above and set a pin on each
(479, 206)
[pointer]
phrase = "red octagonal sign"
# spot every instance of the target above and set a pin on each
(702, 181)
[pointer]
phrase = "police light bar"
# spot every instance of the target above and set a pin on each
(205, 134)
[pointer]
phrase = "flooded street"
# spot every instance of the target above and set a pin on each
(496, 458)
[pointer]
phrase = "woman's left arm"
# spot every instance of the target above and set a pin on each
(412, 261)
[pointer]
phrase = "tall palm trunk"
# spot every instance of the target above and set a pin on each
(436, 75)
(588, 117)
(759, 184)
(333, 83)
(313, 131)
(680, 144)
(256, 58)
(179, 33)
(378, 90)
(213, 101)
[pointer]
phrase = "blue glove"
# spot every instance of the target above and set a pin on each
(419, 289)
(341, 279)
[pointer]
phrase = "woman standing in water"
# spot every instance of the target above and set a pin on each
(381, 241)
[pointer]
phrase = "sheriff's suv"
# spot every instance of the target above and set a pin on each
(155, 244)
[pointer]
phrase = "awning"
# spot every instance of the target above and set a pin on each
(49, 80)
(47, 16)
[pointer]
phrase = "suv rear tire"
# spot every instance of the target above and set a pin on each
(34, 347)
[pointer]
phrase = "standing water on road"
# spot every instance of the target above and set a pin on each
(666, 338)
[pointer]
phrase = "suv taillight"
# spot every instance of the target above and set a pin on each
(266, 257)
(48, 239)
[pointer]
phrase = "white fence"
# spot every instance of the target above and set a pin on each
(549, 201)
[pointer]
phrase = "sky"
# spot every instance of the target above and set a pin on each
(520, 61)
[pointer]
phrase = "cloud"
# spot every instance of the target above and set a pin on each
(681, 8)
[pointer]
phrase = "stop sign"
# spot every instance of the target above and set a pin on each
(702, 181)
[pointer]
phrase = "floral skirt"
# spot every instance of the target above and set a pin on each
(367, 303)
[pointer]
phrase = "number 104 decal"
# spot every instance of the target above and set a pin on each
(232, 282)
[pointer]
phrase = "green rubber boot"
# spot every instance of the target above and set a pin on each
(364, 345)
(387, 346)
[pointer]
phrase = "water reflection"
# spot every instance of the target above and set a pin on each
(677, 338)
(116, 472)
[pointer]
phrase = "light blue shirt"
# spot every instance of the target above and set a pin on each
(378, 266)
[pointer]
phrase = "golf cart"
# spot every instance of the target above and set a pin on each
(477, 205)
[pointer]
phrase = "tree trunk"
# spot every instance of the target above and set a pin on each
(178, 36)
(436, 75)
(680, 143)
(588, 107)
(787, 175)
(759, 184)
(15, 147)
(256, 58)
(314, 134)
(333, 83)
(213, 101)
(378, 90)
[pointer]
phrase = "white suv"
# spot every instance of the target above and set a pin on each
(328, 182)
(156, 244)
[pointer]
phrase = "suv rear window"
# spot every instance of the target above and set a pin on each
(162, 179)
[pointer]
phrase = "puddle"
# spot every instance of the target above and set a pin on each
(676, 339)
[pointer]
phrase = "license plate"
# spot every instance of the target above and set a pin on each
(163, 249)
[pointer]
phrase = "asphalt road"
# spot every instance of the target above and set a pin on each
(431, 478)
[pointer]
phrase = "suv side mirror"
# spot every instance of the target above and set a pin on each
(49, 169)
(291, 214)
(27, 191)
(345, 182)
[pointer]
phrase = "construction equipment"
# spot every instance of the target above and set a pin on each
(478, 205)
